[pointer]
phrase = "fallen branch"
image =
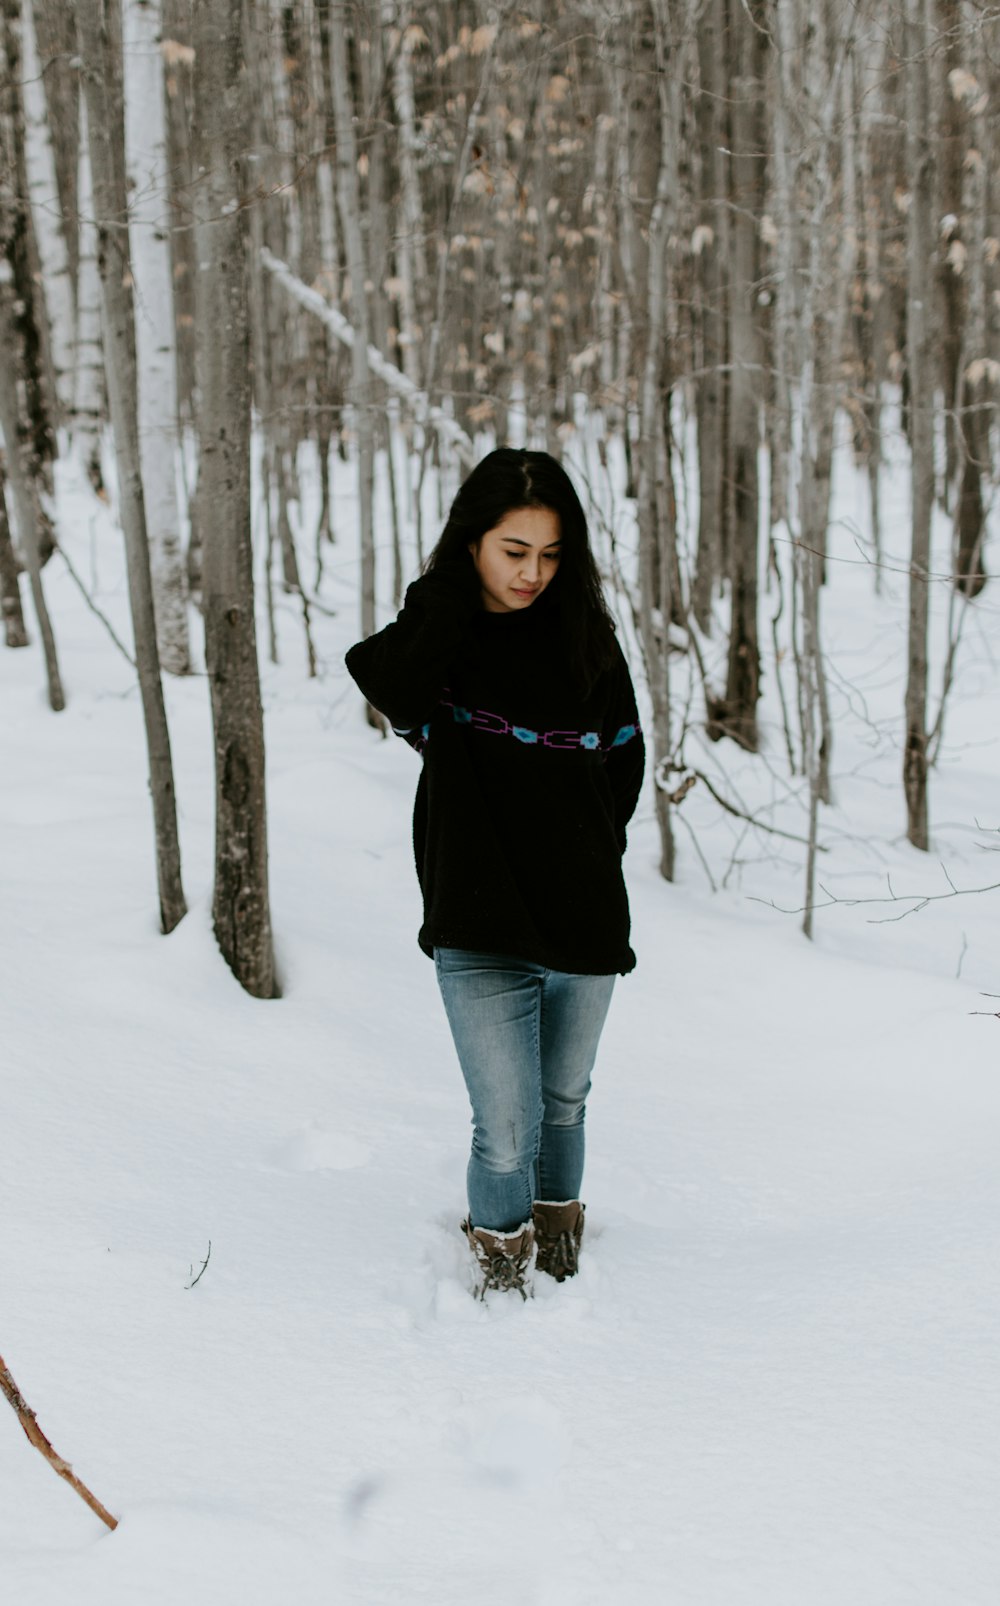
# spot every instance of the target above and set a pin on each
(390, 375)
(26, 1417)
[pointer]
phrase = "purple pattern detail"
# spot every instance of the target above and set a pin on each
(497, 725)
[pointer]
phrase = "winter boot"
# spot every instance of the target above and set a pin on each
(558, 1234)
(504, 1258)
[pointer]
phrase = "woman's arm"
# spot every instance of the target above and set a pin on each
(401, 670)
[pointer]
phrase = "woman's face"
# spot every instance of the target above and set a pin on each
(517, 558)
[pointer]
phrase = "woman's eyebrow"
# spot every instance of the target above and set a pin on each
(515, 540)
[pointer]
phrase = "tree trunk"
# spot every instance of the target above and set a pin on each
(711, 254)
(25, 500)
(100, 56)
(350, 222)
(746, 192)
(240, 904)
(657, 534)
(21, 444)
(46, 211)
(411, 258)
(919, 284)
(15, 631)
(88, 393)
(149, 239)
(33, 366)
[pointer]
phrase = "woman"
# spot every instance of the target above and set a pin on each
(504, 672)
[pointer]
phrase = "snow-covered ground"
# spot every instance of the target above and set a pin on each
(774, 1382)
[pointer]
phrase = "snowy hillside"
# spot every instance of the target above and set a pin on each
(774, 1382)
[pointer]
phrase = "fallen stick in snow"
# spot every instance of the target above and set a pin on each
(26, 1417)
(387, 371)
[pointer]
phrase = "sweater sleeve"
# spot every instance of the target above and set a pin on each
(402, 668)
(624, 749)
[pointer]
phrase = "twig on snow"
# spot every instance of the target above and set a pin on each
(203, 1265)
(26, 1416)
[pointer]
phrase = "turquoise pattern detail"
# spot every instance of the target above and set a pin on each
(498, 725)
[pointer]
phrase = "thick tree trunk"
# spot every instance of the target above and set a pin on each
(240, 904)
(100, 56)
(149, 238)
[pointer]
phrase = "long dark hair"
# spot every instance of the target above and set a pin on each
(512, 478)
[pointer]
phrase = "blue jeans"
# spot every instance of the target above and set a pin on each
(526, 1039)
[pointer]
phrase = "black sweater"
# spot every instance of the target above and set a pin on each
(527, 786)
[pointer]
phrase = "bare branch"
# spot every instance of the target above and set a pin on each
(665, 768)
(26, 1416)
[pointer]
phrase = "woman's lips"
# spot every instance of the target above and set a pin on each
(519, 593)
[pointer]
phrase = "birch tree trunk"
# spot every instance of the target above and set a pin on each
(919, 285)
(37, 405)
(99, 65)
(46, 212)
(20, 441)
(24, 501)
(411, 258)
(240, 904)
(149, 239)
(711, 253)
(88, 374)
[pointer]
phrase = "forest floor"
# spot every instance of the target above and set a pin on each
(774, 1382)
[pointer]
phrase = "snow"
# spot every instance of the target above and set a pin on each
(774, 1380)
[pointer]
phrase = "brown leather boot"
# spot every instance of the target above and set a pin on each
(504, 1258)
(558, 1235)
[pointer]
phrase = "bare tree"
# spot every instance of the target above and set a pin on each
(21, 439)
(99, 57)
(46, 211)
(241, 904)
(88, 373)
(350, 221)
(149, 242)
(738, 716)
(919, 259)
